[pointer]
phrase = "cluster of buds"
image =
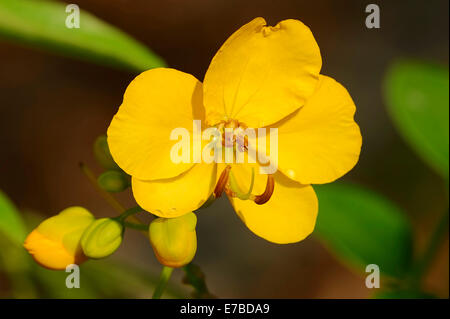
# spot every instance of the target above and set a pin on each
(75, 235)
(71, 237)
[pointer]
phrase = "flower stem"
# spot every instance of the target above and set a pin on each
(196, 278)
(142, 227)
(107, 196)
(128, 213)
(432, 247)
(166, 272)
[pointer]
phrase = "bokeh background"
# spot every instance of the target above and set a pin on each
(52, 108)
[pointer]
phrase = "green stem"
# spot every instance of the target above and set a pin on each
(196, 278)
(107, 196)
(166, 272)
(433, 245)
(142, 227)
(129, 212)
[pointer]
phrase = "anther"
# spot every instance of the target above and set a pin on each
(229, 192)
(222, 182)
(264, 197)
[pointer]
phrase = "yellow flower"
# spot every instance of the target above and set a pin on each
(174, 240)
(261, 77)
(55, 243)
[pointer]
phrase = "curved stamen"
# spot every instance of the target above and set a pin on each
(222, 182)
(264, 197)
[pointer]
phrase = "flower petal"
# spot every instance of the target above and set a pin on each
(288, 217)
(320, 142)
(176, 196)
(55, 243)
(262, 73)
(51, 254)
(156, 102)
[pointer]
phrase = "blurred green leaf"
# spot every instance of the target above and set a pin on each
(403, 294)
(11, 223)
(102, 279)
(140, 282)
(43, 24)
(418, 102)
(52, 284)
(15, 265)
(363, 228)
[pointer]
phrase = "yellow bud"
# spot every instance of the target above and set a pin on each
(55, 243)
(174, 240)
(102, 238)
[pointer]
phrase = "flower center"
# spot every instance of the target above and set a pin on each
(233, 134)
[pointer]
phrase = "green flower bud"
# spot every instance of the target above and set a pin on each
(174, 240)
(102, 238)
(113, 181)
(102, 153)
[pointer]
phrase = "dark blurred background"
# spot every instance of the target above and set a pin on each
(52, 108)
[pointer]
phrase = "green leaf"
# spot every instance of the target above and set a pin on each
(43, 24)
(364, 228)
(403, 294)
(418, 103)
(52, 284)
(102, 279)
(15, 270)
(11, 223)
